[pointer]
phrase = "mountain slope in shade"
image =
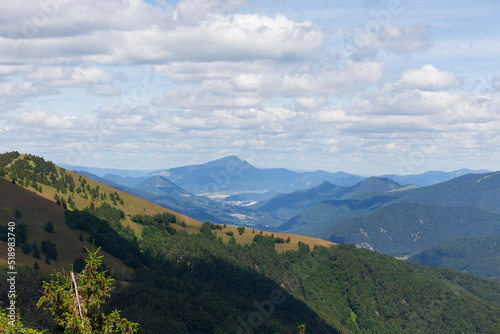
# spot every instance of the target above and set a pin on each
(371, 185)
(476, 190)
(289, 205)
(404, 228)
(358, 200)
(204, 282)
(477, 256)
(432, 177)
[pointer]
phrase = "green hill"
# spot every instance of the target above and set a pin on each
(404, 228)
(289, 205)
(188, 277)
(355, 201)
(477, 256)
(475, 190)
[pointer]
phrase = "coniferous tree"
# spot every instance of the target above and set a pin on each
(36, 252)
(76, 301)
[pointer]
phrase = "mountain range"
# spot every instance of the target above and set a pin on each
(379, 213)
(177, 275)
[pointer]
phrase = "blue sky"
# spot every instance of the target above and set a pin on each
(368, 87)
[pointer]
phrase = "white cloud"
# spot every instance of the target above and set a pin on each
(18, 90)
(192, 11)
(400, 40)
(217, 38)
(69, 77)
(429, 78)
(243, 78)
(41, 119)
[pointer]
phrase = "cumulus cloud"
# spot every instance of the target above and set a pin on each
(240, 86)
(16, 90)
(400, 40)
(216, 38)
(69, 77)
(192, 11)
(231, 82)
(429, 78)
(41, 119)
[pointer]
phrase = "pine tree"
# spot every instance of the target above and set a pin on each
(36, 252)
(76, 300)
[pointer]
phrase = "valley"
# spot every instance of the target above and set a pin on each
(316, 253)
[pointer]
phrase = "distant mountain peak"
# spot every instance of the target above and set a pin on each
(228, 162)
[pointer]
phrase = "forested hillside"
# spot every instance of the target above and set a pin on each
(477, 256)
(180, 277)
(404, 228)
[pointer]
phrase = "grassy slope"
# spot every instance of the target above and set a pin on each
(41, 207)
(36, 211)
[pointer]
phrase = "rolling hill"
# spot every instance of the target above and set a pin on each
(355, 201)
(432, 177)
(231, 176)
(81, 189)
(289, 205)
(478, 256)
(475, 190)
(404, 228)
(159, 190)
(189, 277)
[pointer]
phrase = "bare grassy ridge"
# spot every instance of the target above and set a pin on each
(36, 211)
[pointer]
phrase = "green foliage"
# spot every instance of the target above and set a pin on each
(7, 158)
(28, 284)
(49, 249)
(241, 230)
(75, 301)
(36, 251)
(264, 241)
(48, 227)
(477, 256)
(158, 219)
(110, 235)
(108, 213)
(9, 326)
(26, 248)
(405, 228)
(279, 240)
(21, 232)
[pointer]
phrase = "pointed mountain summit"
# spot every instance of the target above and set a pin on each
(233, 175)
(159, 185)
(368, 186)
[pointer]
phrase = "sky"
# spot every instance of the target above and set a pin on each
(369, 87)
